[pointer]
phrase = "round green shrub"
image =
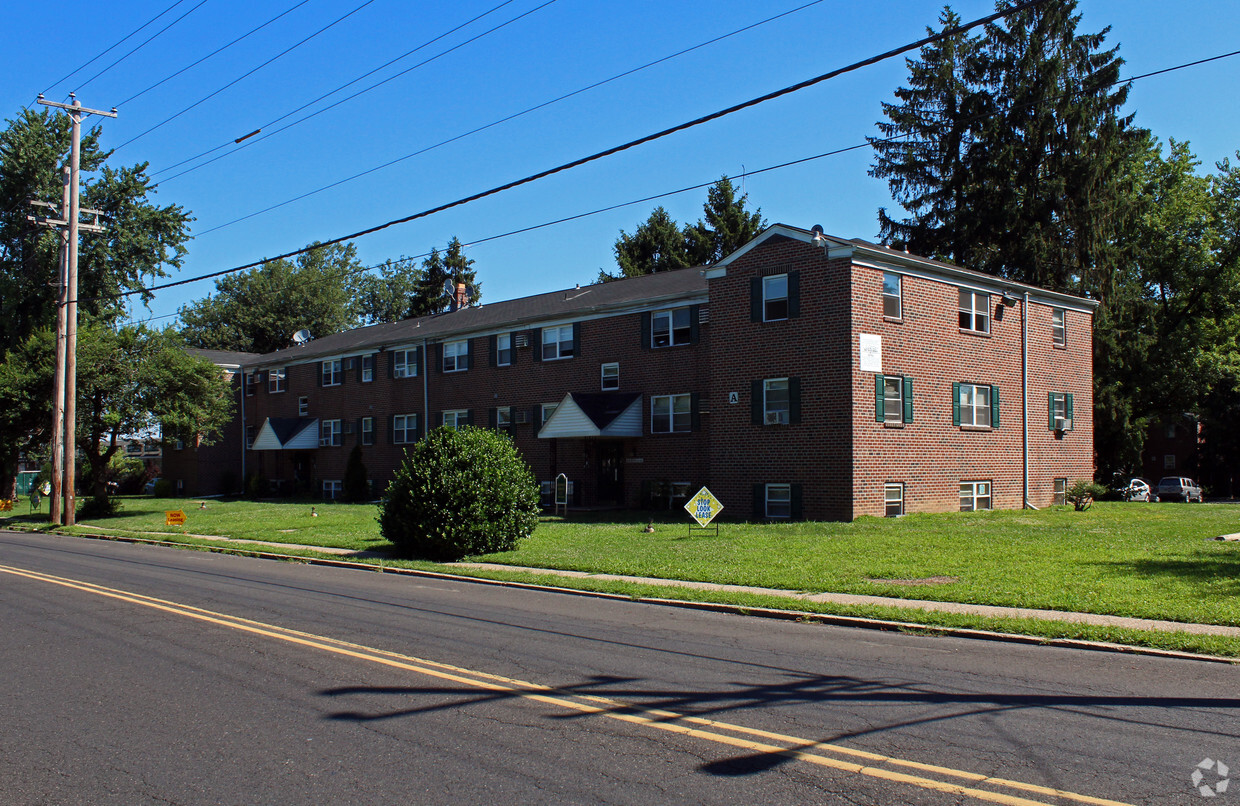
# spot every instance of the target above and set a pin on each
(460, 492)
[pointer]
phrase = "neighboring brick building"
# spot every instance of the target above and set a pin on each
(803, 376)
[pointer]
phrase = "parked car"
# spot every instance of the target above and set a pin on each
(1178, 488)
(1137, 490)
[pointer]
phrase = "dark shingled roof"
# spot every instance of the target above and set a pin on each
(604, 407)
(515, 314)
(223, 358)
(285, 428)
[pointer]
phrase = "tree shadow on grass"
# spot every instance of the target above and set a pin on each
(1214, 574)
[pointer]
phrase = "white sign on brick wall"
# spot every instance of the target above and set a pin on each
(871, 353)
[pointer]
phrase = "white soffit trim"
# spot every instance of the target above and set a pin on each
(983, 283)
(720, 269)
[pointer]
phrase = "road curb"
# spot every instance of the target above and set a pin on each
(859, 622)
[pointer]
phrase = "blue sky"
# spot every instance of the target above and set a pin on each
(555, 49)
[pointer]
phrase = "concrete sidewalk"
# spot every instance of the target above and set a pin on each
(835, 598)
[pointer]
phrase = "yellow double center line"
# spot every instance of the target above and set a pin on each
(739, 736)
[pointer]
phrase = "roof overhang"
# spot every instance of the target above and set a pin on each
(287, 434)
(595, 414)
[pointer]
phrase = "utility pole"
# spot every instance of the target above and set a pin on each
(75, 110)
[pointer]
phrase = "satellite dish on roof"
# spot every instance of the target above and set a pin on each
(449, 287)
(301, 337)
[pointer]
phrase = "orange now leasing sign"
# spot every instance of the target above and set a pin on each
(174, 517)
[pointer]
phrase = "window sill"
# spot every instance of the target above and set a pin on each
(985, 334)
(329, 385)
(557, 358)
(977, 428)
(445, 372)
(894, 425)
(1058, 346)
(895, 320)
(276, 391)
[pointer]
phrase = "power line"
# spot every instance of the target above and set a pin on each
(213, 53)
(686, 189)
(112, 47)
(613, 150)
(139, 47)
(502, 120)
(249, 142)
(246, 75)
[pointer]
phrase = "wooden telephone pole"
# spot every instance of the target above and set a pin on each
(66, 322)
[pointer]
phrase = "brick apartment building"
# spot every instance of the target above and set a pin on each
(803, 376)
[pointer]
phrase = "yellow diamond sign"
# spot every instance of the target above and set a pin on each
(703, 507)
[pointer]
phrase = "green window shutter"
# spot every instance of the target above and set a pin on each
(994, 406)
(796, 501)
(908, 399)
(693, 323)
(794, 294)
(755, 299)
(576, 342)
(759, 502)
(695, 416)
(1050, 411)
(879, 414)
(757, 403)
(955, 404)
(646, 330)
(493, 349)
(1068, 411)
(794, 400)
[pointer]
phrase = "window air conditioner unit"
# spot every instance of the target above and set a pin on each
(1063, 425)
(350, 363)
(775, 418)
(523, 340)
(520, 417)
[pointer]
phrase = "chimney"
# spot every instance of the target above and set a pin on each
(460, 299)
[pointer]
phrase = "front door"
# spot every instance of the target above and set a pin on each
(610, 473)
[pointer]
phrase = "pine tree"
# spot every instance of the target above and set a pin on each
(440, 268)
(656, 245)
(728, 226)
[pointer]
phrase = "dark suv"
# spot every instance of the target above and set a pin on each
(1178, 488)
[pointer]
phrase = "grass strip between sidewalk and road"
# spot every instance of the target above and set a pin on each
(1153, 561)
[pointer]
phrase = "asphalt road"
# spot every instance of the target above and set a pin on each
(135, 675)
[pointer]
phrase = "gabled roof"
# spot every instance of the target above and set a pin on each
(287, 434)
(595, 414)
(865, 251)
(573, 304)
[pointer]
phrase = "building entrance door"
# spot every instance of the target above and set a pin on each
(610, 472)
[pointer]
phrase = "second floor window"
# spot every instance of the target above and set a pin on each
(455, 418)
(611, 377)
(894, 399)
(276, 380)
(303, 406)
(404, 429)
(367, 429)
(332, 372)
(1059, 332)
(776, 403)
(670, 328)
(671, 414)
(455, 356)
(976, 404)
(557, 342)
(329, 434)
(503, 350)
(974, 311)
(775, 298)
(367, 368)
(1059, 409)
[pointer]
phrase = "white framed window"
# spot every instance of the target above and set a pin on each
(1059, 331)
(1061, 492)
(277, 380)
(404, 429)
(455, 418)
(503, 417)
(671, 414)
(547, 410)
(368, 367)
(303, 406)
(330, 433)
(503, 350)
(405, 363)
(893, 399)
(557, 342)
(893, 307)
(333, 373)
(1060, 411)
(367, 429)
(670, 328)
(974, 495)
(893, 500)
(975, 404)
(456, 356)
(332, 489)
(251, 382)
(774, 298)
(611, 377)
(779, 500)
(974, 311)
(250, 431)
(776, 402)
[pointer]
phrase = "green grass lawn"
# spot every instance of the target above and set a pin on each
(1146, 560)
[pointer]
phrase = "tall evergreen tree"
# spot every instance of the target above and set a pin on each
(438, 269)
(727, 226)
(658, 244)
